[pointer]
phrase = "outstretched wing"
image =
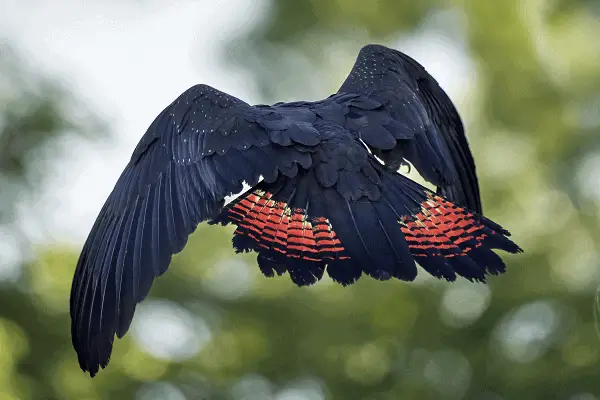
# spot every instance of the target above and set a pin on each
(200, 149)
(416, 112)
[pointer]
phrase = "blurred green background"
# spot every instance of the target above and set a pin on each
(528, 90)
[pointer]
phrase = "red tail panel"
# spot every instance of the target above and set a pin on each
(442, 226)
(273, 224)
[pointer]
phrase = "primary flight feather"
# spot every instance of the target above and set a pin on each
(325, 202)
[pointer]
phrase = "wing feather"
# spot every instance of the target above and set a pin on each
(420, 116)
(201, 148)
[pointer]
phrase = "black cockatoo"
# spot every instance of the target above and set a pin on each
(325, 194)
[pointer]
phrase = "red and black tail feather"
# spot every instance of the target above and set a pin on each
(464, 240)
(286, 237)
(302, 228)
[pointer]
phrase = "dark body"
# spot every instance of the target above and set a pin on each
(318, 200)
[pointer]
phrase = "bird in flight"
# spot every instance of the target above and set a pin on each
(324, 193)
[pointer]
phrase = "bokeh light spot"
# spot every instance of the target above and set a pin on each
(168, 331)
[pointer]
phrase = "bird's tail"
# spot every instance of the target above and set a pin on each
(302, 228)
(449, 240)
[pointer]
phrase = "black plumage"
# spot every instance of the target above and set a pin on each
(324, 203)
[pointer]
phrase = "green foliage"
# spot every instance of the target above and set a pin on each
(36, 112)
(532, 120)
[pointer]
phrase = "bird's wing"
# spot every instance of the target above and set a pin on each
(416, 111)
(200, 149)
